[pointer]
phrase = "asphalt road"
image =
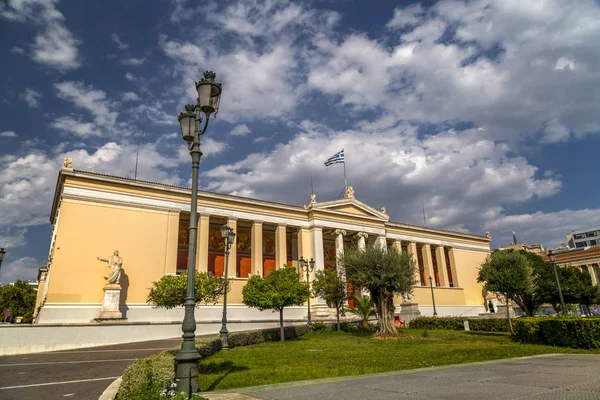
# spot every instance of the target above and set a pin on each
(71, 374)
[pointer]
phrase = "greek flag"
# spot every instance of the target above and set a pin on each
(335, 159)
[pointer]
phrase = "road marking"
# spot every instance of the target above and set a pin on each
(69, 394)
(66, 362)
(102, 351)
(58, 383)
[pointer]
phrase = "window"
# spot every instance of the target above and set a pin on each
(593, 242)
(268, 252)
(449, 267)
(244, 252)
(579, 236)
(436, 272)
(580, 244)
(421, 265)
(183, 242)
(592, 234)
(216, 251)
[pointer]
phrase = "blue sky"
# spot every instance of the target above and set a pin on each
(484, 111)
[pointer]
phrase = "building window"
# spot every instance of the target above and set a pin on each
(448, 267)
(329, 254)
(579, 236)
(289, 257)
(183, 242)
(592, 234)
(580, 244)
(244, 252)
(269, 253)
(421, 265)
(404, 247)
(436, 272)
(216, 251)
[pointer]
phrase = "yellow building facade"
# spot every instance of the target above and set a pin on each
(93, 215)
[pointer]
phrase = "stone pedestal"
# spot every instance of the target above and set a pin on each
(110, 305)
(409, 311)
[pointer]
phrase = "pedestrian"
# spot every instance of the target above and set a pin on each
(491, 306)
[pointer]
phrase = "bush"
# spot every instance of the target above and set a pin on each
(146, 378)
(575, 332)
(457, 324)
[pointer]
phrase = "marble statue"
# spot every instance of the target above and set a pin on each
(350, 192)
(383, 210)
(313, 198)
(114, 263)
(68, 163)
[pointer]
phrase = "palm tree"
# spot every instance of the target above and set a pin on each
(363, 308)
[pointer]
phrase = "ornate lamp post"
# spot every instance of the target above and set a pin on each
(308, 267)
(228, 235)
(2, 253)
(560, 295)
(209, 95)
(432, 296)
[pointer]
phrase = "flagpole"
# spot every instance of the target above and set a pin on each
(345, 180)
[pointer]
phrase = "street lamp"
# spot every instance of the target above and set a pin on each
(560, 295)
(228, 235)
(2, 253)
(186, 359)
(432, 296)
(308, 267)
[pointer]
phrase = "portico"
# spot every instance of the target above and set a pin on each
(153, 221)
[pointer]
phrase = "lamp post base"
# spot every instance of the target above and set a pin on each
(224, 338)
(186, 371)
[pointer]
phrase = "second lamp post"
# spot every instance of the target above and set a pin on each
(308, 267)
(228, 236)
(432, 296)
(560, 295)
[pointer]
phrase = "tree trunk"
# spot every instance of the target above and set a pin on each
(384, 303)
(338, 319)
(281, 330)
(512, 331)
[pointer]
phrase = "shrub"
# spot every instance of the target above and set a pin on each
(575, 332)
(457, 324)
(146, 378)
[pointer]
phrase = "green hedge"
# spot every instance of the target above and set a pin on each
(575, 332)
(457, 324)
(145, 378)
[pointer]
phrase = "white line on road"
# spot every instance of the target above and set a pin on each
(67, 362)
(58, 383)
(102, 351)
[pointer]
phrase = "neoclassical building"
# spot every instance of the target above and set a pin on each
(94, 214)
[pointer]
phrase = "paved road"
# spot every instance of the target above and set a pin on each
(537, 378)
(71, 374)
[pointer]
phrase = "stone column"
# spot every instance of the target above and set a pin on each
(456, 279)
(257, 248)
(398, 246)
(202, 243)
(304, 248)
(339, 246)
(412, 249)
(232, 267)
(381, 242)
(441, 262)
(316, 234)
(593, 274)
(171, 243)
(428, 264)
(361, 237)
(280, 247)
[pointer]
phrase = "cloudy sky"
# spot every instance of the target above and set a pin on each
(484, 112)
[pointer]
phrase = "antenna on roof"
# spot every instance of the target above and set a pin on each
(312, 189)
(137, 154)
(424, 219)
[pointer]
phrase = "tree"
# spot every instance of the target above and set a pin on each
(364, 308)
(529, 300)
(170, 291)
(576, 287)
(331, 286)
(384, 272)
(19, 298)
(508, 273)
(280, 289)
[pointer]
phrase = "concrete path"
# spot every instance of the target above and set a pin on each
(532, 378)
(71, 374)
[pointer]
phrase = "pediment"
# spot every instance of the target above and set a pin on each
(350, 207)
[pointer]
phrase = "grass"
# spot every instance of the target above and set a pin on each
(332, 354)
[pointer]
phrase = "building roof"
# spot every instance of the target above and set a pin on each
(578, 231)
(578, 255)
(156, 185)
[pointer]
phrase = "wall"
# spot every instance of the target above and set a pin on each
(467, 266)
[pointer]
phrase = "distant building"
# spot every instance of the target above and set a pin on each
(583, 238)
(33, 284)
(515, 245)
(588, 260)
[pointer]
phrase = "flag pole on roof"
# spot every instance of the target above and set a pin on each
(338, 158)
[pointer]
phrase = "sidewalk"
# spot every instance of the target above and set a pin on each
(545, 377)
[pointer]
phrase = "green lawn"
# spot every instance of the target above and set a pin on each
(330, 354)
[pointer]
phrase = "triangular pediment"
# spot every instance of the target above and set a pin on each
(350, 207)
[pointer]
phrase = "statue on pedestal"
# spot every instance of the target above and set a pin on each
(114, 264)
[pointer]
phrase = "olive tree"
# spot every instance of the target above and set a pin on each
(508, 273)
(384, 272)
(170, 291)
(331, 286)
(280, 289)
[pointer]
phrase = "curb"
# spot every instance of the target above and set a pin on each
(111, 390)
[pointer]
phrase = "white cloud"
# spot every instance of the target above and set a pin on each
(115, 38)
(129, 96)
(135, 62)
(8, 134)
(130, 77)
(547, 228)
(24, 268)
(54, 45)
(17, 50)
(409, 15)
(155, 113)
(90, 99)
(75, 126)
(240, 130)
(32, 97)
